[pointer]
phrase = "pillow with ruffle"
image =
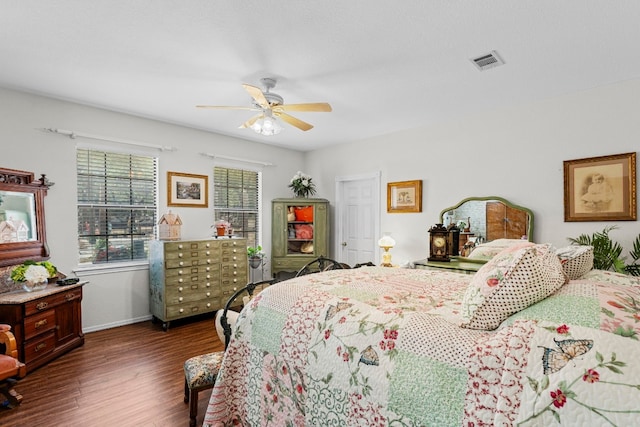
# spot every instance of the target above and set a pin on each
(576, 260)
(514, 279)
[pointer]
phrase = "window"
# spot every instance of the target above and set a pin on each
(116, 206)
(236, 194)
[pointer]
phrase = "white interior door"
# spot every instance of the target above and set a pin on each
(358, 219)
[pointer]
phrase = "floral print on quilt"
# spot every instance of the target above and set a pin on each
(381, 347)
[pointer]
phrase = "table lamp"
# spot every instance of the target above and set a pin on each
(386, 242)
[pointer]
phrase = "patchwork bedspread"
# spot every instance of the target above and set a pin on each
(382, 347)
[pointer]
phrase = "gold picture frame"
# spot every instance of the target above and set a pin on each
(187, 190)
(404, 196)
(600, 188)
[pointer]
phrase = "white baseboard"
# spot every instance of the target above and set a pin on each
(116, 324)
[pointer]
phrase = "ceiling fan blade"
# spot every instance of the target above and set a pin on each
(251, 121)
(293, 121)
(256, 93)
(316, 106)
(225, 107)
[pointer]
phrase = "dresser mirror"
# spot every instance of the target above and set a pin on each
(484, 219)
(22, 226)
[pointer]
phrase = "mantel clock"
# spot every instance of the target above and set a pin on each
(439, 243)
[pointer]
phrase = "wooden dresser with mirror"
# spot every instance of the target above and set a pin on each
(48, 322)
(487, 218)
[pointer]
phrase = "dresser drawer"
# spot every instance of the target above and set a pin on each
(190, 281)
(39, 346)
(190, 245)
(184, 310)
(174, 296)
(39, 323)
(43, 304)
(190, 262)
(192, 270)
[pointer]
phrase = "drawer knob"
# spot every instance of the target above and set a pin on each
(42, 305)
(235, 250)
(208, 304)
(208, 285)
(208, 294)
(235, 272)
(180, 280)
(41, 323)
(181, 263)
(235, 280)
(180, 255)
(41, 346)
(70, 296)
(208, 245)
(179, 271)
(180, 299)
(208, 276)
(207, 253)
(181, 310)
(208, 269)
(180, 289)
(235, 258)
(208, 261)
(235, 265)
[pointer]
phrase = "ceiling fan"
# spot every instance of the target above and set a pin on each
(270, 106)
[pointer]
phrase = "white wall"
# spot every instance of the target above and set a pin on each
(516, 153)
(120, 297)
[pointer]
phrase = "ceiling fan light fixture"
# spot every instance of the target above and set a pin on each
(266, 126)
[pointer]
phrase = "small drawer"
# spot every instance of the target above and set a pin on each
(186, 310)
(39, 346)
(39, 323)
(48, 302)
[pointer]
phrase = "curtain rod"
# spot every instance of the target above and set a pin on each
(73, 135)
(236, 159)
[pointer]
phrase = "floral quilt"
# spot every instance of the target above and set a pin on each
(383, 347)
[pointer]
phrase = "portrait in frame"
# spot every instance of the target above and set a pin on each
(600, 188)
(187, 190)
(404, 196)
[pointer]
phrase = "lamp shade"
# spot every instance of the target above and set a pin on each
(386, 241)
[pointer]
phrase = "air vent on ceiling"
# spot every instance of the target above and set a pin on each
(490, 60)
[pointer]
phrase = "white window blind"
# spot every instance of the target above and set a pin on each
(236, 195)
(116, 205)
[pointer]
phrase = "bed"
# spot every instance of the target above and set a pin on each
(535, 338)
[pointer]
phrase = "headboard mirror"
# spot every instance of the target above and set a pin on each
(22, 228)
(489, 218)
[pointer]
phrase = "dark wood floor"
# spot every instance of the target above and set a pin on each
(126, 376)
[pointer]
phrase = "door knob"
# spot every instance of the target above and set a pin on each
(344, 243)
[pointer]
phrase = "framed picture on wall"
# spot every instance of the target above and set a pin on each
(600, 188)
(187, 190)
(404, 196)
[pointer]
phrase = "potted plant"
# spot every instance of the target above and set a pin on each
(607, 253)
(34, 275)
(302, 185)
(222, 227)
(255, 255)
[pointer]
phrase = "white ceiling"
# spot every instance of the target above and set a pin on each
(384, 66)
